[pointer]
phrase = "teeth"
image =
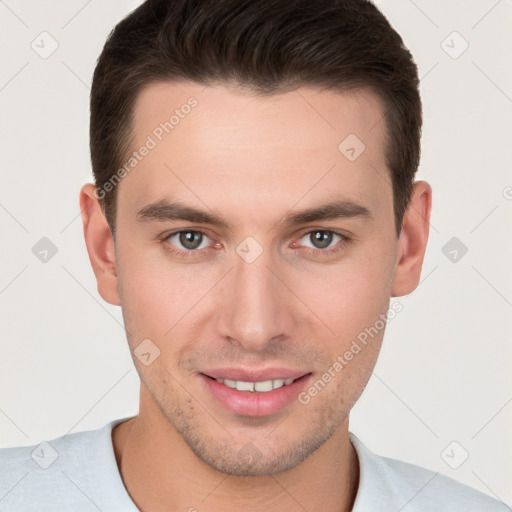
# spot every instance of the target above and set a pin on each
(262, 387)
(244, 386)
(278, 383)
(230, 383)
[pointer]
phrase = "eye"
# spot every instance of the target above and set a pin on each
(321, 239)
(188, 240)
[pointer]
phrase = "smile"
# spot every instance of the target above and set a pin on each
(257, 395)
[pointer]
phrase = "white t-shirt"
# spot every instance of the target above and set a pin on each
(78, 473)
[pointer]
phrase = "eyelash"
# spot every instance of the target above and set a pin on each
(191, 252)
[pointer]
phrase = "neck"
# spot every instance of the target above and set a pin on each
(161, 473)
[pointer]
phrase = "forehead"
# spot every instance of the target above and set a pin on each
(306, 118)
(217, 143)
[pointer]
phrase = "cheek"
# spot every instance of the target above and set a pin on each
(350, 295)
(158, 298)
(146, 293)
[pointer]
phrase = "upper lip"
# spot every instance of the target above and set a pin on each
(254, 375)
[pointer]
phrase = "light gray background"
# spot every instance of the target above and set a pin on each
(444, 371)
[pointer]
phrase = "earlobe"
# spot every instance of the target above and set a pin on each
(413, 240)
(100, 245)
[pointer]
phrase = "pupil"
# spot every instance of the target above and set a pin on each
(322, 239)
(190, 239)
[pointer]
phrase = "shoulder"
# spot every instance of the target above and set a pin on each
(20, 460)
(395, 483)
(68, 471)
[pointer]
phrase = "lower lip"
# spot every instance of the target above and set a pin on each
(254, 403)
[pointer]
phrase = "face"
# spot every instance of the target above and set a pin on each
(252, 251)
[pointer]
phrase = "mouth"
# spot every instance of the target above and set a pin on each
(255, 394)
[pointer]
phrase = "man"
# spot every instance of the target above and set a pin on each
(253, 212)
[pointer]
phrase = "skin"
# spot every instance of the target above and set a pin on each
(251, 160)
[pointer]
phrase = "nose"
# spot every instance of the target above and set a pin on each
(255, 304)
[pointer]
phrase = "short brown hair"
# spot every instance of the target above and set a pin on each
(265, 46)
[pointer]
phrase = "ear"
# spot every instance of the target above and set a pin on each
(100, 244)
(413, 240)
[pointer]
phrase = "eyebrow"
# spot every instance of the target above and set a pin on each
(165, 210)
